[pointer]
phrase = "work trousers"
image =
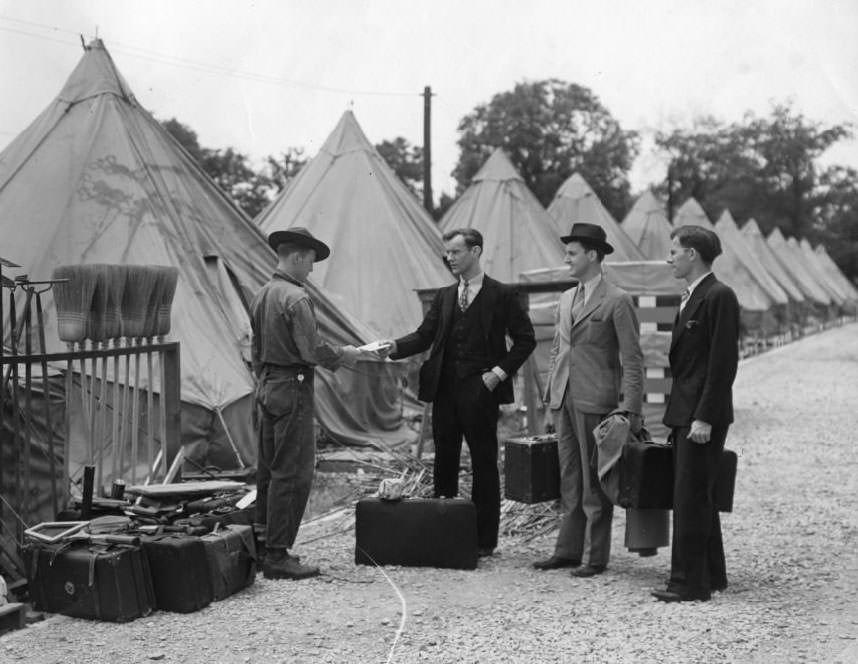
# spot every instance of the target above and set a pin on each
(465, 407)
(287, 452)
(585, 524)
(697, 553)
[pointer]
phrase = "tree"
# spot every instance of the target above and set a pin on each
(406, 161)
(232, 171)
(551, 129)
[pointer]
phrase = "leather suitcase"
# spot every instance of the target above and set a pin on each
(531, 469)
(422, 532)
(231, 554)
(82, 580)
(646, 476)
(180, 571)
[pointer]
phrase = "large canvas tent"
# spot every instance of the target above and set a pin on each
(648, 227)
(96, 179)
(830, 266)
(519, 234)
(794, 265)
(384, 244)
(838, 293)
(576, 201)
(764, 254)
(753, 299)
(734, 243)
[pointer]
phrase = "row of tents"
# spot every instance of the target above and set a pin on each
(96, 179)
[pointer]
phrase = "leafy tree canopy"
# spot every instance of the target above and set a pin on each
(551, 129)
(406, 160)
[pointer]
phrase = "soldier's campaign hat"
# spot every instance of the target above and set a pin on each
(303, 238)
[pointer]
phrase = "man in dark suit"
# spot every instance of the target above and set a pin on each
(469, 373)
(704, 356)
(596, 367)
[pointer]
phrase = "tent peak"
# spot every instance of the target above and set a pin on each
(95, 74)
(498, 167)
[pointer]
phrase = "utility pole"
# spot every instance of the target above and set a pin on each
(427, 150)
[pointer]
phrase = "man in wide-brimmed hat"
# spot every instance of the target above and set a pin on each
(286, 348)
(595, 358)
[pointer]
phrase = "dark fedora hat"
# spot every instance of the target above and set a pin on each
(592, 233)
(303, 238)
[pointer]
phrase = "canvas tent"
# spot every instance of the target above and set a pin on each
(733, 242)
(519, 234)
(830, 266)
(384, 244)
(764, 254)
(576, 201)
(648, 227)
(728, 267)
(838, 293)
(96, 179)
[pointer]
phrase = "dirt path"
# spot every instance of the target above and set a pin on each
(792, 556)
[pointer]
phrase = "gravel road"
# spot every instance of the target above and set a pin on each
(792, 556)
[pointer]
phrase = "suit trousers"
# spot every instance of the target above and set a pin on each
(465, 407)
(287, 453)
(585, 524)
(697, 553)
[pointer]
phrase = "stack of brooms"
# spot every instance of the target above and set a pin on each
(114, 306)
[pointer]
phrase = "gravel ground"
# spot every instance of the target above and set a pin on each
(791, 554)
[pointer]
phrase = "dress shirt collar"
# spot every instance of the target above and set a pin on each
(694, 284)
(474, 282)
(590, 286)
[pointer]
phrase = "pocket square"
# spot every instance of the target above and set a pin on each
(690, 325)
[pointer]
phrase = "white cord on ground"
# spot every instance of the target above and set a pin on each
(401, 601)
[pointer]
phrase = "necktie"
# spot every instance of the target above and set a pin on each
(684, 299)
(578, 303)
(463, 297)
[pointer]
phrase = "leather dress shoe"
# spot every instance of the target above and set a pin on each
(485, 551)
(556, 562)
(588, 570)
(672, 596)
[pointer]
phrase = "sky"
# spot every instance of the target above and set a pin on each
(263, 76)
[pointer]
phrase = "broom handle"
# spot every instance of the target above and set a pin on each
(67, 442)
(85, 404)
(102, 421)
(115, 422)
(149, 415)
(135, 417)
(162, 403)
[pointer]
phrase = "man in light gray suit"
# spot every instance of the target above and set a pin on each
(596, 367)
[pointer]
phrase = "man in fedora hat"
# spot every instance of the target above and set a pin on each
(286, 348)
(595, 360)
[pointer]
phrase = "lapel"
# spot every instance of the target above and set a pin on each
(691, 308)
(593, 303)
(488, 296)
(449, 300)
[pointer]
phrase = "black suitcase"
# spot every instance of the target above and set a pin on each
(531, 469)
(425, 532)
(646, 477)
(180, 571)
(231, 554)
(101, 582)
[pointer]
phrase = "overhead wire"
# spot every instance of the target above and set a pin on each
(175, 61)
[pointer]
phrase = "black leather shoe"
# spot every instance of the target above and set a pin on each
(556, 562)
(485, 551)
(671, 596)
(588, 570)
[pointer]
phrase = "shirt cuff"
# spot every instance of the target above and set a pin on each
(500, 373)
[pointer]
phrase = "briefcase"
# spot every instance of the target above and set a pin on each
(231, 554)
(531, 469)
(421, 532)
(101, 582)
(180, 571)
(646, 476)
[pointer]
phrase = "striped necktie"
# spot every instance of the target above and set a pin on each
(463, 297)
(684, 299)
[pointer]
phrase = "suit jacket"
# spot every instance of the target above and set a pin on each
(704, 356)
(501, 314)
(599, 356)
